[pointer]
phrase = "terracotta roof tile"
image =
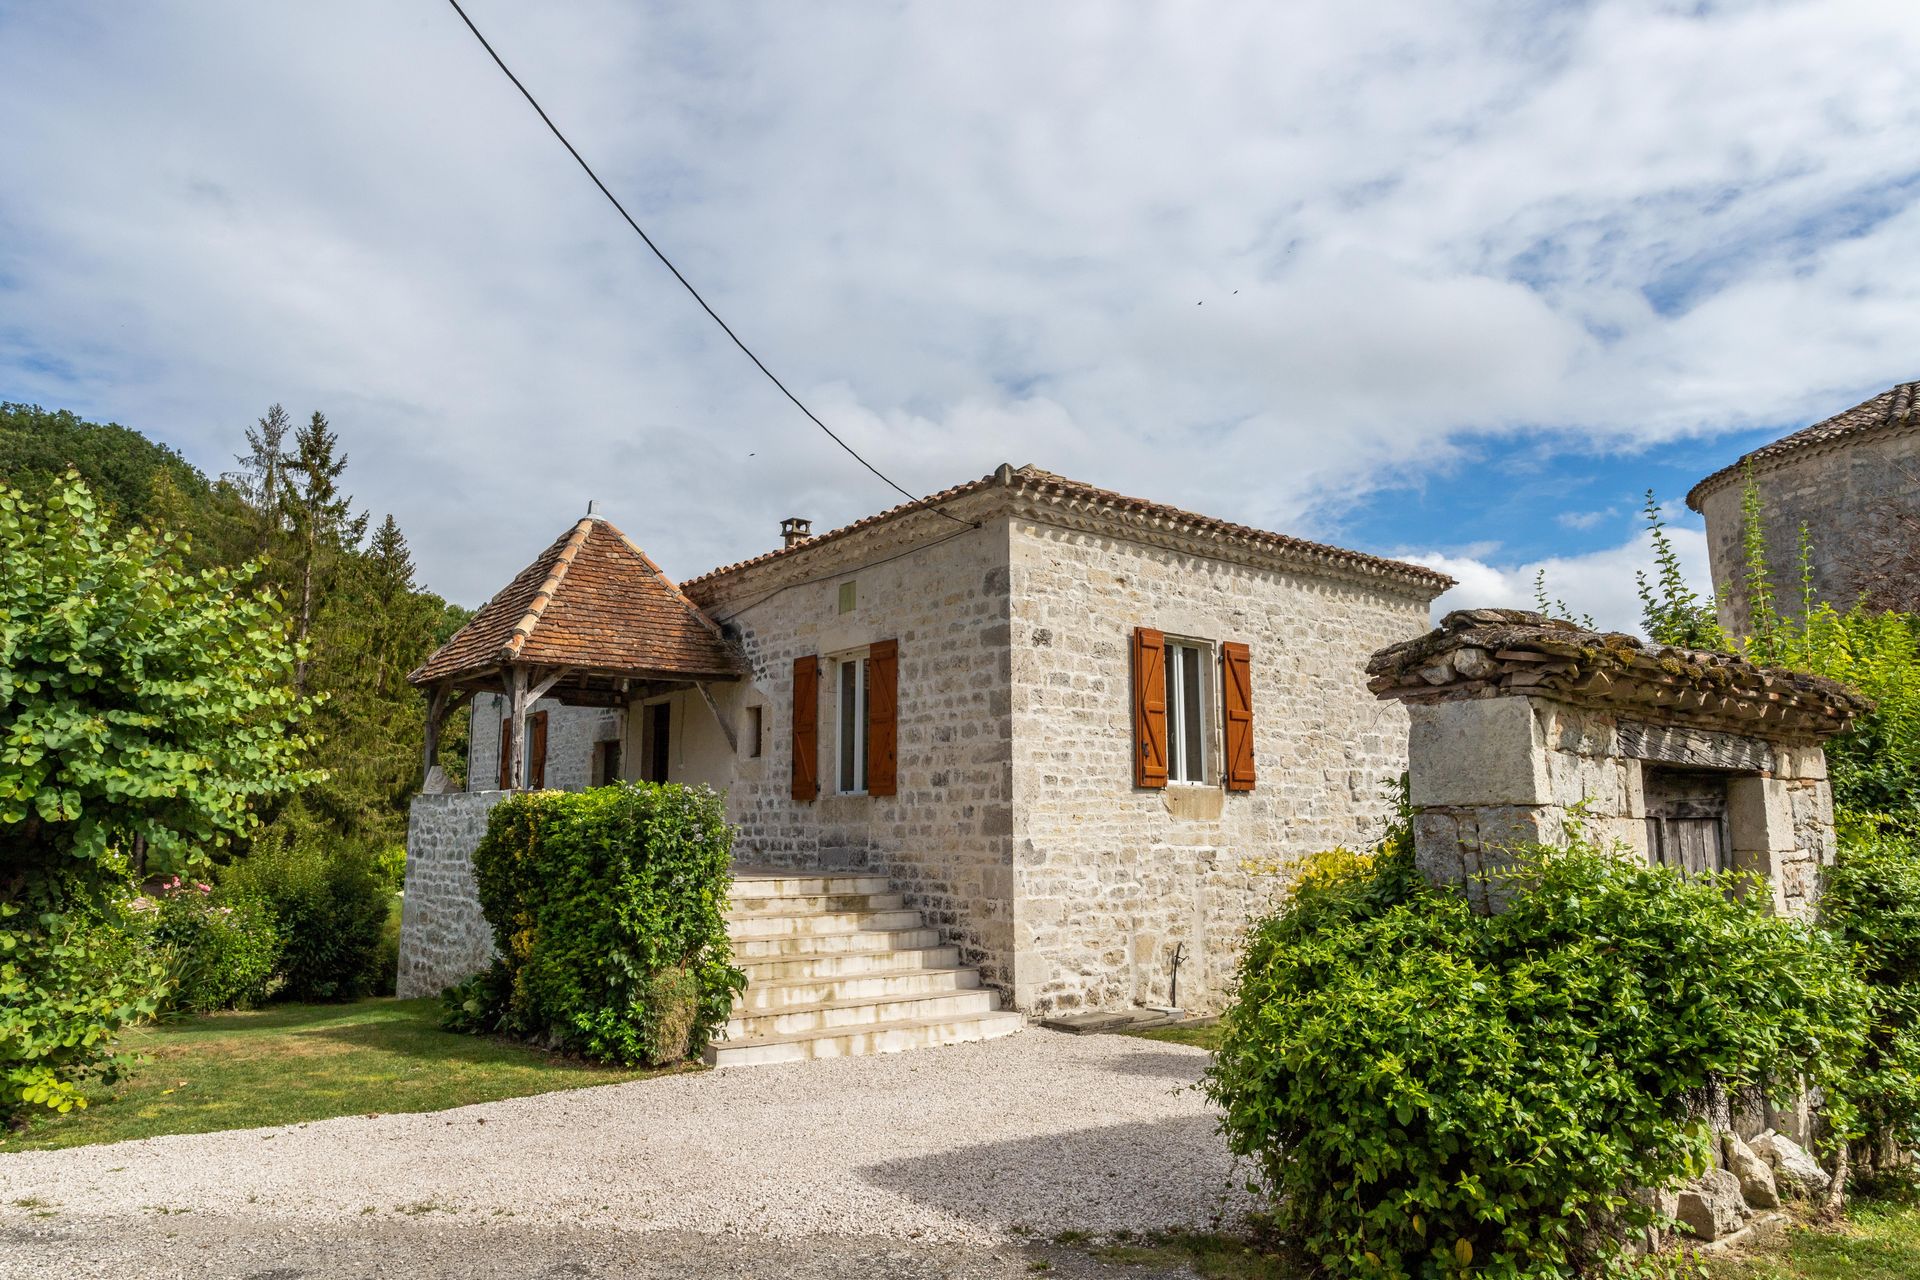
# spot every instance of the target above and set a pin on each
(593, 601)
(1893, 407)
(1034, 480)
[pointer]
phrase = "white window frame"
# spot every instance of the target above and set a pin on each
(850, 770)
(1181, 770)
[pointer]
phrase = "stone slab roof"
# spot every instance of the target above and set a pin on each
(594, 602)
(1892, 409)
(1034, 482)
(1482, 653)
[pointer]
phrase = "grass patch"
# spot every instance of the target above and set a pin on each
(289, 1064)
(1204, 1035)
(1879, 1241)
(1211, 1255)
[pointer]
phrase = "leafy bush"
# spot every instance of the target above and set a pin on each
(328, 903)
(1429, 1091)
(386, 958)
(219, 948)
(1873, 902)
(144, 706)
(607, 908)
(69, 981)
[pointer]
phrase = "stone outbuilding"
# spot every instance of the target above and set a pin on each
(1521, 725)
(1074, 731)
(1853, 481)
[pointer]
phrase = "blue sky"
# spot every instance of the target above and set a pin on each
(1456, 281)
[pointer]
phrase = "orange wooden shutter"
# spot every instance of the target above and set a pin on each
(537, 753)
(806, 728)
(1236, 696)
(883, 718)
(506, 778)
(1149, 708)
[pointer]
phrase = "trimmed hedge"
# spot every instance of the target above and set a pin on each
(1431, 1092)
(608, 911)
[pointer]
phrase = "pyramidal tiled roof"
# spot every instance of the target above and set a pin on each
(1892, 408)
(592, 601)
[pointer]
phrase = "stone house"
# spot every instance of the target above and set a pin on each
(1074, 731)
(1853, 482)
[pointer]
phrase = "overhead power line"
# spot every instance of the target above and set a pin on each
(686, 284)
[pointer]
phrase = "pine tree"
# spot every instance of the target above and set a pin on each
(321, 523)
(262, 478)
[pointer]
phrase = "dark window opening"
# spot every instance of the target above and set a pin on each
(656, 733)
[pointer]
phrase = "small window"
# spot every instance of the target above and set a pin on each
(756, 726)
(849, 597)
(852, 675)
(1187, 685)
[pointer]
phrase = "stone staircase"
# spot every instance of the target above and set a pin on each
(838, 965)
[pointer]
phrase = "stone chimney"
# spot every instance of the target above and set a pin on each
(795, 530)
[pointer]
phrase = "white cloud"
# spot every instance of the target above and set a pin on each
(1259, 260)
(1599, 584)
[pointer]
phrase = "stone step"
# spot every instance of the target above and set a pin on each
(812, 904)
(842, 1014)
(867, 940)
(816, 966)
(765, 997)
(880, 1038)
(816, 924)
(800, 884)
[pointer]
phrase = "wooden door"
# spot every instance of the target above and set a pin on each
(1687, 821)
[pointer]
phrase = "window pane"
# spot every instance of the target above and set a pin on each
(1192, 724)
(848, 719)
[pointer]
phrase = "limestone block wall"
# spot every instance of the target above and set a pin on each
(572, 734)
(1853, 497)
(443, 937)
(1488, 774)
(944, 838)
(1109, 878)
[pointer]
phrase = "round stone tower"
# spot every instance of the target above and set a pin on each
(1854, 482)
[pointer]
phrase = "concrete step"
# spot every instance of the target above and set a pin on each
(866, 941)
(755, 884)
(817, 966)
(890, 1037)
(812, 904)
(867, 1012)
(768, 997)
(816, 924)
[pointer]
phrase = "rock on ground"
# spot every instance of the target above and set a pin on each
(1712, 1207)
(1756, 1177)
(1795, 1172)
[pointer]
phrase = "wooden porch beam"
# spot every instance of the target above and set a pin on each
(733, 741)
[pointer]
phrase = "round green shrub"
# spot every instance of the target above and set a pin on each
(329, 905)
(219, 948)
(608, 910)
(1428, 1091)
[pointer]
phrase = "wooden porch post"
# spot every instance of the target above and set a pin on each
(436, 718)
(516, 735)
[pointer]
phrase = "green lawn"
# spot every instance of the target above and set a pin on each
(1879, 1241)
(294, 1063)
(1204, 1036)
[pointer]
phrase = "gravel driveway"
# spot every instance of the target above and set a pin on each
(969, 1151)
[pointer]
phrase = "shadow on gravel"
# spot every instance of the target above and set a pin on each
(1125, 1177)
(1186, 1068)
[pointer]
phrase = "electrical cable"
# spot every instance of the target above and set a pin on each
(684, 282)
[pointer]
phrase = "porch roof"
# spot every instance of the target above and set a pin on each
(594, 605)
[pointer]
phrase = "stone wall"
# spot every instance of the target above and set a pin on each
(943, 838)
(1492, 773)
(1851, 495)
(1109, 878)
(572, 734)
(443, 937)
